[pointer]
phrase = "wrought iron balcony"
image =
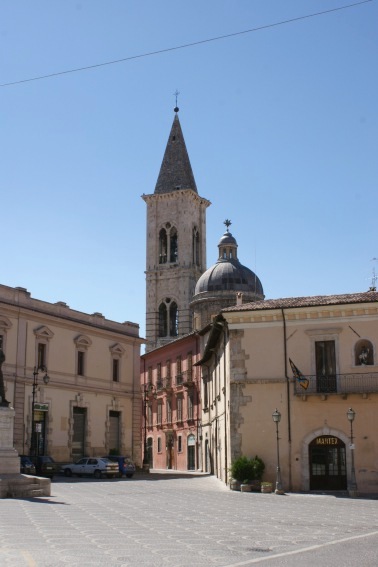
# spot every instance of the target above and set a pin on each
(187, 378)
(366, 383)
(179, 379)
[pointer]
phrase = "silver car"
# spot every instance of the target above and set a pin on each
(96, 466)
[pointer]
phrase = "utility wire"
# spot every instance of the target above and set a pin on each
(185, 45)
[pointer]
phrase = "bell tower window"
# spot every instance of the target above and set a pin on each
(173, 245)
(168, 318)
(163, 246)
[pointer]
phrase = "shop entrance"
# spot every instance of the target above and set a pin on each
(327, 463)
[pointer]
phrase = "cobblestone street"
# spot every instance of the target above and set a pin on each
(184, 521)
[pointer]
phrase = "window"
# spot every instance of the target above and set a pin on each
(162, 246)
(173, 246)
(190, 405)
(80, 362)
(149, 375)
(179, 408)
(159, 445)
(325, 360)
(159, 382)
(179, 444)
(205, 393)
(160, 412)
(173, 320)
(169, 411)
(149, 415)
(178, 370)
(115, 370)
(41, 355)
(168, 318)
(190, 365)
(162, 320)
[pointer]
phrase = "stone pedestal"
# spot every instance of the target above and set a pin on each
(12, 483)
(9, 459)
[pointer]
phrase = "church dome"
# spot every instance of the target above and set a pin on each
(224, 284)
(228, 274)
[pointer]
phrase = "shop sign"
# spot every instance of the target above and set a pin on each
(327, 440)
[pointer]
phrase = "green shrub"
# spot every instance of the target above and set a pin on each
(245, 469)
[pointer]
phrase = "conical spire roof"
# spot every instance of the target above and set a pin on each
(176, 171)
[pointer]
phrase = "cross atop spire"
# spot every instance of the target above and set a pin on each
(176, 108)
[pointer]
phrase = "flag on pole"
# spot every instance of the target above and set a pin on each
(303, 381)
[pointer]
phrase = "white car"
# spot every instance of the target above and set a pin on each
(98, 466)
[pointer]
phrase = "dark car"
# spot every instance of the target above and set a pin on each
(26, 466)
(45, 466)
(125, 464)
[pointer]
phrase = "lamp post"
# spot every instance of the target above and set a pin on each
(148, 390)
(351, 414)
(35, 384)
(277, 418)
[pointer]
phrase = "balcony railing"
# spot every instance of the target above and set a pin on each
(366, 383)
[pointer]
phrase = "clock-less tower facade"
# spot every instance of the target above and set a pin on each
(176, 244)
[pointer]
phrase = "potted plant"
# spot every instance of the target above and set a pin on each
(247, 472)
(266, 487)
(245, 486)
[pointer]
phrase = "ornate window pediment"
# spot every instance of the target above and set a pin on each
(117, 350)
(43, 333)
(82, 342)
(5, 323)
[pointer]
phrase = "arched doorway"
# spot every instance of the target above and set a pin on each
(327, 463)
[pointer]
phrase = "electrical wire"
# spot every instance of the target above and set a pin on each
(185, 45)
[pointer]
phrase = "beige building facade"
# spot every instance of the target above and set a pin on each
(312, 359)
(80, 370)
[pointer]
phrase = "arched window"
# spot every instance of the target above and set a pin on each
(162, 320)
(162, 246)
(173, 245)
(363, 353)
(173, 320)
(168, 318)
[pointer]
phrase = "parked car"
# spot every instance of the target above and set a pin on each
(98, 466)
(44, 465)
(125, 465)
(26, 466)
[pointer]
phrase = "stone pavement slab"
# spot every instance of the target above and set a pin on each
(183, 521)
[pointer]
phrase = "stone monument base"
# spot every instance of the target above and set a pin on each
(24, 486)
(12, 483)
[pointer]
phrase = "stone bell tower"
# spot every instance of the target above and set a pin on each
(176, 244)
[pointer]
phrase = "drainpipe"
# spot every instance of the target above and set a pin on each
(287, 393)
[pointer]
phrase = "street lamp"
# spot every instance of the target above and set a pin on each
(35, 384)
(148, 390)
(277, 418)
(351, 414)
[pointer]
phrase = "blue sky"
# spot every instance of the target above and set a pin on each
(280, 124)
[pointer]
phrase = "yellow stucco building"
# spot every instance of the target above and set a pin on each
(311, 358)
(79, 373)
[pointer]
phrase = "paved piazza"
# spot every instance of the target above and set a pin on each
(184, 521)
